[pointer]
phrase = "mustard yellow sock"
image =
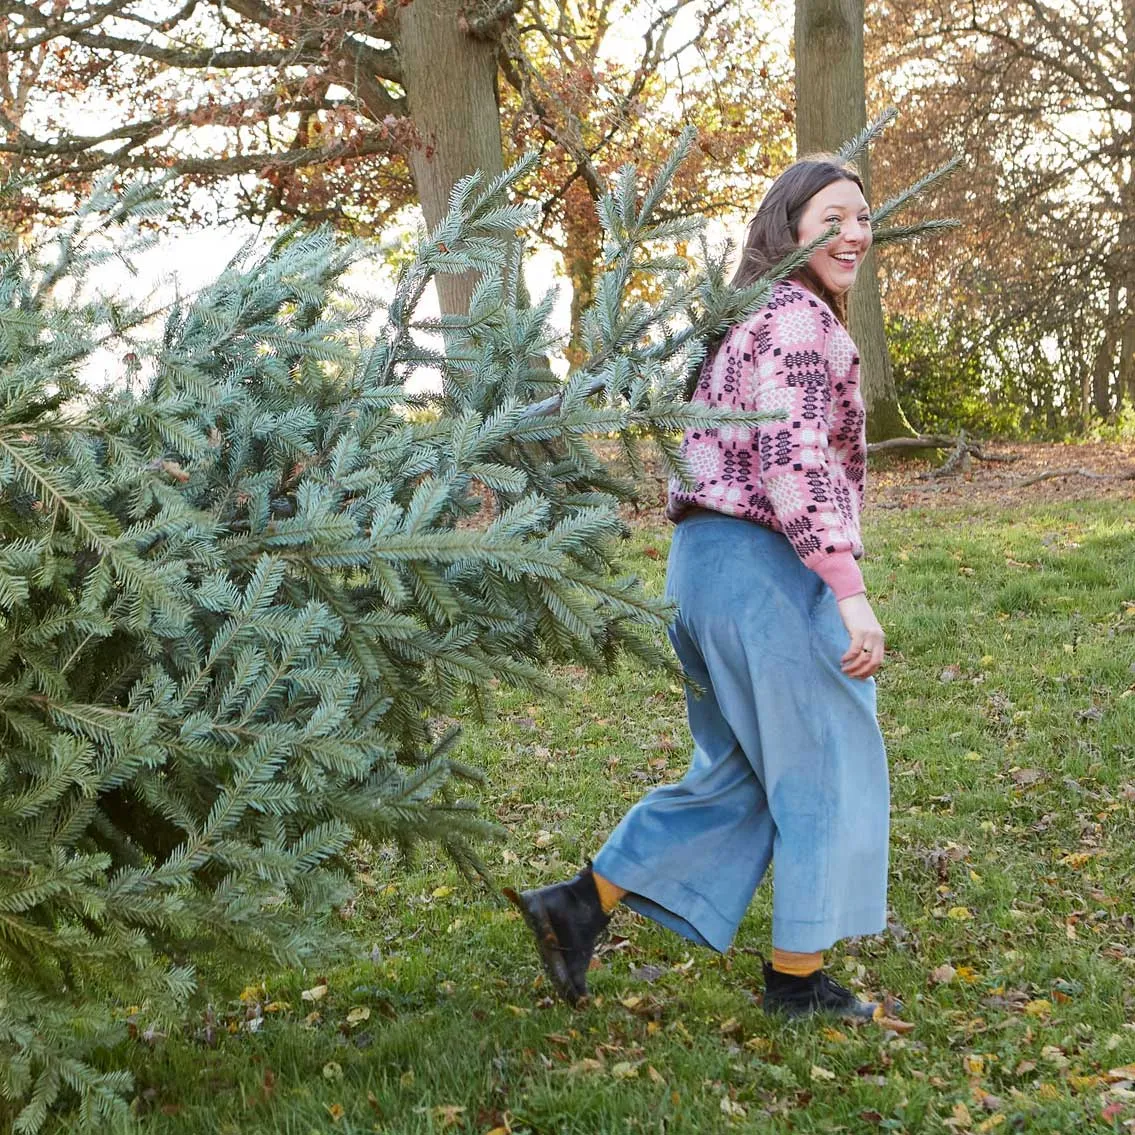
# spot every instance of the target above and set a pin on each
(796, 965)
(609, 895)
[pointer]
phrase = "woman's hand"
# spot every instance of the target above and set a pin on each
(865, 653)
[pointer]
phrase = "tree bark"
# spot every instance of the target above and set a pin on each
(1105, 357)
(1125, 379)
(450, 83)
(831, 107)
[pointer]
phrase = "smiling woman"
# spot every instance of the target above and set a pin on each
(810, 197)
(836, 263)
(774, 626)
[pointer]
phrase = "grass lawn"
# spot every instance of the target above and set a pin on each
(1008, 704)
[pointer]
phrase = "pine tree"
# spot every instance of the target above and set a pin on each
(236, 588)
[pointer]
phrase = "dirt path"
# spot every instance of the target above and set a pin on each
(903, 484)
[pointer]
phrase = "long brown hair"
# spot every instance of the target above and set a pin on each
(774, 233)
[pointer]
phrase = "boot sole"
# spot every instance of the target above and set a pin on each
(798, 1013)
(547, 944)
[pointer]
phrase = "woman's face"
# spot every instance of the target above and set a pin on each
(837, 262)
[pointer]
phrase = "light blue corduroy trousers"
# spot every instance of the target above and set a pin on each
(788, 763)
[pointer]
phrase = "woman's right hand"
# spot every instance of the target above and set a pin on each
(865, 653)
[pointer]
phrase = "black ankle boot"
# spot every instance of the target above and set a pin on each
(567, 920)
(816, 993)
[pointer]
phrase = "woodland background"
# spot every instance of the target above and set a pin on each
(296, 647)
(1022, 322)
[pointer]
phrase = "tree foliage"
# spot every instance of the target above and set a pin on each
(300, 109)
(346, 112)
(237, 585)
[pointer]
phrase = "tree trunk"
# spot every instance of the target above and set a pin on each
(1105, 357)
(582, 251)
(1125, 257)
(1125, 384)
(450, 83)
(831, 107)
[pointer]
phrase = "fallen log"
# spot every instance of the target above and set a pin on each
(963, 450)
(1049, 474)
(959, 460)
(924, 441)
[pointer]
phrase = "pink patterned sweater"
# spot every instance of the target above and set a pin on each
(804, 476)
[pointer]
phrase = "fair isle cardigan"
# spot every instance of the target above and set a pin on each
(804, 476)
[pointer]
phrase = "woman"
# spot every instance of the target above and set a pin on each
(775, 627)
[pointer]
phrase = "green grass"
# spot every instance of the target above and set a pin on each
(1010, 718)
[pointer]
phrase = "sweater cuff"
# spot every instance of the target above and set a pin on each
(841, 573)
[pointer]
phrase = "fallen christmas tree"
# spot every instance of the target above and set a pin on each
(236, 587)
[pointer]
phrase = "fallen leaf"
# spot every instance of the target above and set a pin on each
(943, 974)
(1023, 777)
(315, 993)
(1038, 1008)
(960, 1117)
(1048, 1092)
(733, 1109)
(441, 892)
(960, 913)
(1127, 1072)
(444, 1115)
(894, 1024)
(587, 1064)
(335, 1110)
(1085, 1083)
(973, 1064)
(1053, 1055)
(332, 1070)
(818, 1073)
(358, 1015)
(624, 1070)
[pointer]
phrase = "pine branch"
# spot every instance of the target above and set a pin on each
(850, 150)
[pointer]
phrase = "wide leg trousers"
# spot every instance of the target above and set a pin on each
(788, 764)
